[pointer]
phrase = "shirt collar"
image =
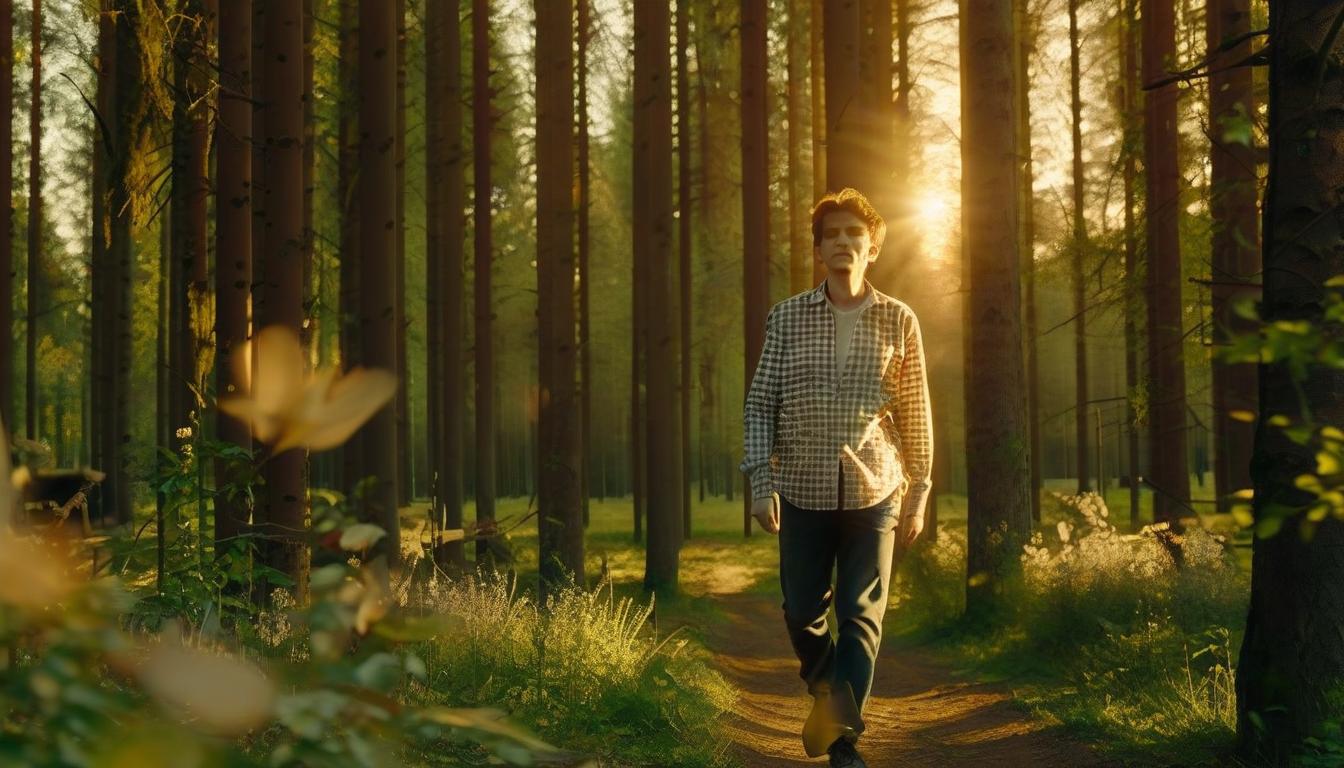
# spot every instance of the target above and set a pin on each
(818, 294)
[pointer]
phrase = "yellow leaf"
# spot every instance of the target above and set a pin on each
(217, 693)
(1245, 416)
(350, 401)
(1244, 493)
(1326, 463)
(1332, 433)
(976, 579)
(1309, 483)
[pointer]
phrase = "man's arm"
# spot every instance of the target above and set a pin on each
(761, 413)
(914, 423)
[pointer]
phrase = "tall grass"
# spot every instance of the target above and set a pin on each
(582, 669)
(1112, 638)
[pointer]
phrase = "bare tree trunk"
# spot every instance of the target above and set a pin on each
(347, 170)
(755, 196)
(585, 295)
(998, 472)
(7, 193)
(1025, 46)
(1078, 248)
(233, 248)
(403, 413)
(284, 505)
(1292, 661)
(560, 511)
(378, 211)
(1133, 290)
(1168, 459)
(652, 227)
(848, 118)
(800, 245)
(485, 348)
(820, 145)
(103, 281)
(684, 250)
(1235, 256)
(35, 288)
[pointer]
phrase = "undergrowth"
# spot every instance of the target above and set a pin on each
(1101, 631)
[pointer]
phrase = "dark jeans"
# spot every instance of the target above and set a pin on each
(811, 545)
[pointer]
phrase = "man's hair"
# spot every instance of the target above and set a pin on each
(852, 200)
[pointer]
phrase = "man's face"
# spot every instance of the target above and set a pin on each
(846, 244)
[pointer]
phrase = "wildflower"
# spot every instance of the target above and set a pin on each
(183, 433)
(288, 408)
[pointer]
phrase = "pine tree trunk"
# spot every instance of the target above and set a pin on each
(125, 129)
(755, 196)
(585, 295)
(1078, 248)
(848, 123)
(280, 200)
(347, 170)
(560, 510)
(1027, 217)
(233, 247)
(684, 250)
(399, 305)
(1168, 460)
(820, 145)
(1129, 60)
(377, 279)
(482, 125)
(35, 287)
(1291, 666)
(102, 280)
(652, 228)
(800, 244)
(7, 231)
(998, 472)
(1235, 256)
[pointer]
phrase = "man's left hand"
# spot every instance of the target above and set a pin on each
(909, 529)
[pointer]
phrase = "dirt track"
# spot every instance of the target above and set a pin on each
(920, 714)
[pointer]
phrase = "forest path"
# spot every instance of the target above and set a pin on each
(920, 713)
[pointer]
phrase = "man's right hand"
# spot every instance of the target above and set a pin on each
(766, 512)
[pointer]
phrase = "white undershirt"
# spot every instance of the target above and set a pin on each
(845, 320)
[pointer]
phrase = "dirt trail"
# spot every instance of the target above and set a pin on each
(920, 714)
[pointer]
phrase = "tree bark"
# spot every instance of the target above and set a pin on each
(1292, 661)
(35, 287)
(1235, 256)
(849, 121)
(377, 235)
(482, 125)
(1169, 464)
(403, 413)
(755, 196)
(585, 295)
(560, 511)
(998, 473)
(652, 228)
(820, 145)
(1027, 217)
(1133, 292)
(800, 244)
(233, 247)
(1078, 248)
(6, 198)
(283, 514)
(347, 170)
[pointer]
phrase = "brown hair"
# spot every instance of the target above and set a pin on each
(852, 200)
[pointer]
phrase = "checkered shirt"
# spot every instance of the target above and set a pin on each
(874, 420)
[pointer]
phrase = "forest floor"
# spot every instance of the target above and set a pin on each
(921, 712)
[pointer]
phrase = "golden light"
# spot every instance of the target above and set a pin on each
(930, 207)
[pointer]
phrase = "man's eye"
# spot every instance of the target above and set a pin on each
(829, 232)
(855, 231)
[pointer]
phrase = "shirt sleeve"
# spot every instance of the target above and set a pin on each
(914, 422)
(761, 413)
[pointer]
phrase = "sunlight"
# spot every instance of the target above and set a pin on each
(930, 207)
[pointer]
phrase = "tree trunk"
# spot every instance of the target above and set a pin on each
(377, 235)
(800, 244)
(347, 170)
(998, 472)
(1292, 661)
(1235, 256)
(652, 228)
(848, 119)
(560, 511)
(485, 349)
(7, 194)
(1078, 248)
(125, 130)
(684, 250)
(585, 295)
(283, 514)
(1169, 475)
(35, 288)
(820, 146)
(1132, 137)
(102, 281)
(233, 248)
(755, 196)
(1027, 217)
(403, 413)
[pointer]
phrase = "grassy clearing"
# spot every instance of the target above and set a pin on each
(1103, 634)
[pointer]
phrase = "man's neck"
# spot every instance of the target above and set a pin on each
(845, 291)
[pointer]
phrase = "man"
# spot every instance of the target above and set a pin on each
(837, 423)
